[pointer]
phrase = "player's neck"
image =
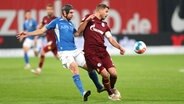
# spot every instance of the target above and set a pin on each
(98, 16)
(64, 18)
(50, 15)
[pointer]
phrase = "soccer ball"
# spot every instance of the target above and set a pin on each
(140, 47)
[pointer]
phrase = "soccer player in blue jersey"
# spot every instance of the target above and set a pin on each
(29, 25)
(71, 58)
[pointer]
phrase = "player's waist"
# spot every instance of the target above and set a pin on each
(95, 49)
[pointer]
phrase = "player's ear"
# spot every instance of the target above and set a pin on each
(64, 13)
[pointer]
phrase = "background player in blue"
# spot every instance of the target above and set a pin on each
(29, 25)
(71, 57)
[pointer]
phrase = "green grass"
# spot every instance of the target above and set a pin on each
(142, 79)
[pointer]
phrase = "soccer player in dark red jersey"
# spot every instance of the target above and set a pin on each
(50, 36)
(94, 31)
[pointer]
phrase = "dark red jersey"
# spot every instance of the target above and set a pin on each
(94, 34)
(50, 34)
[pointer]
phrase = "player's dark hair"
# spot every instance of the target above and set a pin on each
(27, 11)
(49, 5)
(101, 6)
(67, 8)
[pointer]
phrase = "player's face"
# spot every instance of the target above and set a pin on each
(50, 10)
(28, 15)
(70, 14)
(104, 13)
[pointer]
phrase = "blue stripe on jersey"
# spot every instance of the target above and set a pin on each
(29, 26)
(64, 33)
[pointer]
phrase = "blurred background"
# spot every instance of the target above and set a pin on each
(159, 23)
(155, 77)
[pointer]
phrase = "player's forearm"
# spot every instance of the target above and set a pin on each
(40, 26)
(35, 33)
(114, 43)
(82, 27)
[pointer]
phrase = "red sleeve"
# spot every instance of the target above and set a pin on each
(43, 21)
(85, 17)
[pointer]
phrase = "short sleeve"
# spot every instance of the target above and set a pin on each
(51, 25)
(42, 22)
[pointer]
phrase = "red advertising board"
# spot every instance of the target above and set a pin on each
(125, 16)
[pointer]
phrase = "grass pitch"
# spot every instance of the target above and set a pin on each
(157, 79)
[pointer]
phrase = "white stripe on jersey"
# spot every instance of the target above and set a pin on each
(57, 32)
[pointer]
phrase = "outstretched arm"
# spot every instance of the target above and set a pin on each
(34, 33)
(114, 42)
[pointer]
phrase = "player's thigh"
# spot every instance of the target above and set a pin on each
(54, 51)
(66, 59)
(104, 73)
(27, 44)
(80, 59)
(49, 47)
(94, 62)
(74, 68)
(107, 62)
(112, 71)
(39, 45)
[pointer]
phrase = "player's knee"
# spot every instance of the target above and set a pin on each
(74, 68)
(112, 71)
(42, 52)
(25, 49)
(104, 73)
(105, 80)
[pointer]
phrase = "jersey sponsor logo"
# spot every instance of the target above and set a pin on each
(92, 28)
(177, 23)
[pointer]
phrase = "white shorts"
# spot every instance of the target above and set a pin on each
(30, 44)
(67, 57)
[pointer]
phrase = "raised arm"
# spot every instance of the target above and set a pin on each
(83, 24)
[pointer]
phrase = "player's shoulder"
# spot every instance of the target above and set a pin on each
(54, 17)
(44, 18)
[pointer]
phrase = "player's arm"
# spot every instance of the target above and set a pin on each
(51, 25)
(83, 24)
(40, 25)
(33, 33)
(114, 42)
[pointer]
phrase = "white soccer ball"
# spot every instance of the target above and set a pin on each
(140, 47)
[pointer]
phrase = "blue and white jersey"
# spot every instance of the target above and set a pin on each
(29, 26)
(64, 31)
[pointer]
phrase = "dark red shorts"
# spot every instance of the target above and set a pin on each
(98, 61)
(51, 46)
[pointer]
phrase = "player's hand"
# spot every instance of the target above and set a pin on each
(21, 36)
(122, 51)
(90, 17)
